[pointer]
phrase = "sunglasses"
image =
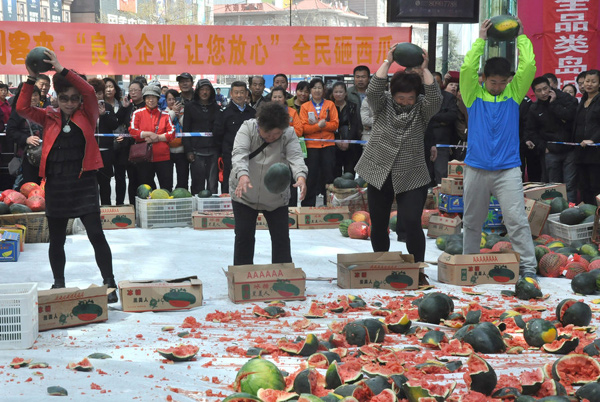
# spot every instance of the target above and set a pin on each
(73, 98)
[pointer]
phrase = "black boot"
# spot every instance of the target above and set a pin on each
(112, 296)
(58, 284)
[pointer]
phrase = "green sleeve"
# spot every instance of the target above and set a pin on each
(526, 70)
(469, 80)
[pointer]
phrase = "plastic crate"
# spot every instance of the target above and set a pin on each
(171, 213)
(569, 233)
(18, 315)
(213, 204)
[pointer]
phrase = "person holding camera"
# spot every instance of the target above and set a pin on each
(107, 122)
(26, 136)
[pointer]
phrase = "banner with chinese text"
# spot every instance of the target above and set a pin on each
(564, 34)
(172, 49)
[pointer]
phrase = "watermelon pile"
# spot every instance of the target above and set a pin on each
(358, 227)
(31, 198)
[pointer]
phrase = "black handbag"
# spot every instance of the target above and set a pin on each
(142, 151)
(33, 153)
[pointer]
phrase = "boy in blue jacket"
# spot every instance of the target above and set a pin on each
(493, 162)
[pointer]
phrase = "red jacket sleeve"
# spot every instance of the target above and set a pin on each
(170, 128)
(134, 126)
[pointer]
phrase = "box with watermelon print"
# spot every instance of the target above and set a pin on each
(161, 294)
(9, 246)
(443, 225)
(226, 220)
(320, 217)
(62, 308)
(544, 191)
(254, 283)
(379, 270)
(476, 269)
(456, 169)
(117, 217)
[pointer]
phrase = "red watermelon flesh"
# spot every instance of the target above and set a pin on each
(28, 188)
(15, 198)
(573, 268)
(358, 230)
(550, 264)
(36, 203)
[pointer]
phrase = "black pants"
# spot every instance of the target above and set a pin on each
(320, 161)
(226, 173)
(533, 161)
(182, 169)
(205, 173)
(121, 185)
(163, 170)
(293, 192)
(410, 209)
(104, 175)
(57, 228)
(345, 161)
(245, 229)
(588, 182)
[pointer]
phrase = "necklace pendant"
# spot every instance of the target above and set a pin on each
(66, 129)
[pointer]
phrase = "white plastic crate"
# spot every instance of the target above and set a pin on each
(170, 213)
(569, 233)
(213, 204)
(18, 315)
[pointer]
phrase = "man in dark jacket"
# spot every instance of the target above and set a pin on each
(227, 125)
(550, 118)
(202, 151)
(442, 130)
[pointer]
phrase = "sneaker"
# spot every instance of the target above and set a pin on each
(58, 285)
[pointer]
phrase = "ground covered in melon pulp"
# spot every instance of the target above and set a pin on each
(222, 330)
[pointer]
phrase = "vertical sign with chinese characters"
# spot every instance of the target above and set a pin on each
(55, 10)
(571, 44)
(33, 10)
(9, 10)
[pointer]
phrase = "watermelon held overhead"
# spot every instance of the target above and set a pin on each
(503, 28)
(278, 178)
(35, 60)
(408, 55)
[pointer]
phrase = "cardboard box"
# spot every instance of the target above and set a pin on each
(456, 169)
(10, 246)
(261, 222)
(117, 217)
(537, 214)
(226, 220)
(452, 186)
(475, 269)
(320, 218)
(544, 191)
(379, 270)
(17, 228)
(62, 308)
(494, 218)
(293, 220)
(161, 294)
(436, 195)
(451, 203)
(254, 283)
(441, 225)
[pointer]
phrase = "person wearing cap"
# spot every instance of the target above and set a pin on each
(202, 152)
(151, 125)
(442, 130)
(186, 87)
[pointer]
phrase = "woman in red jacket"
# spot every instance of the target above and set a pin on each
(320, 121)
(154, 126)
(70, 159)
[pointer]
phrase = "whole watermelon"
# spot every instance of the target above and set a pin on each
(35, 60)
(278, 178)
(36, 203)
(343, 226)
(15, 198)
(28, 188)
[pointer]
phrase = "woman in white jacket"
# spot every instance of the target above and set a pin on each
(260, 143)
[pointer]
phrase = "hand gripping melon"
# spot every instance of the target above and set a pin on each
(278, 178)
(504, 28)
(35, 60)
(408, 55)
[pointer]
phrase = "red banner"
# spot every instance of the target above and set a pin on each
(210, 49)
(565, 38)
